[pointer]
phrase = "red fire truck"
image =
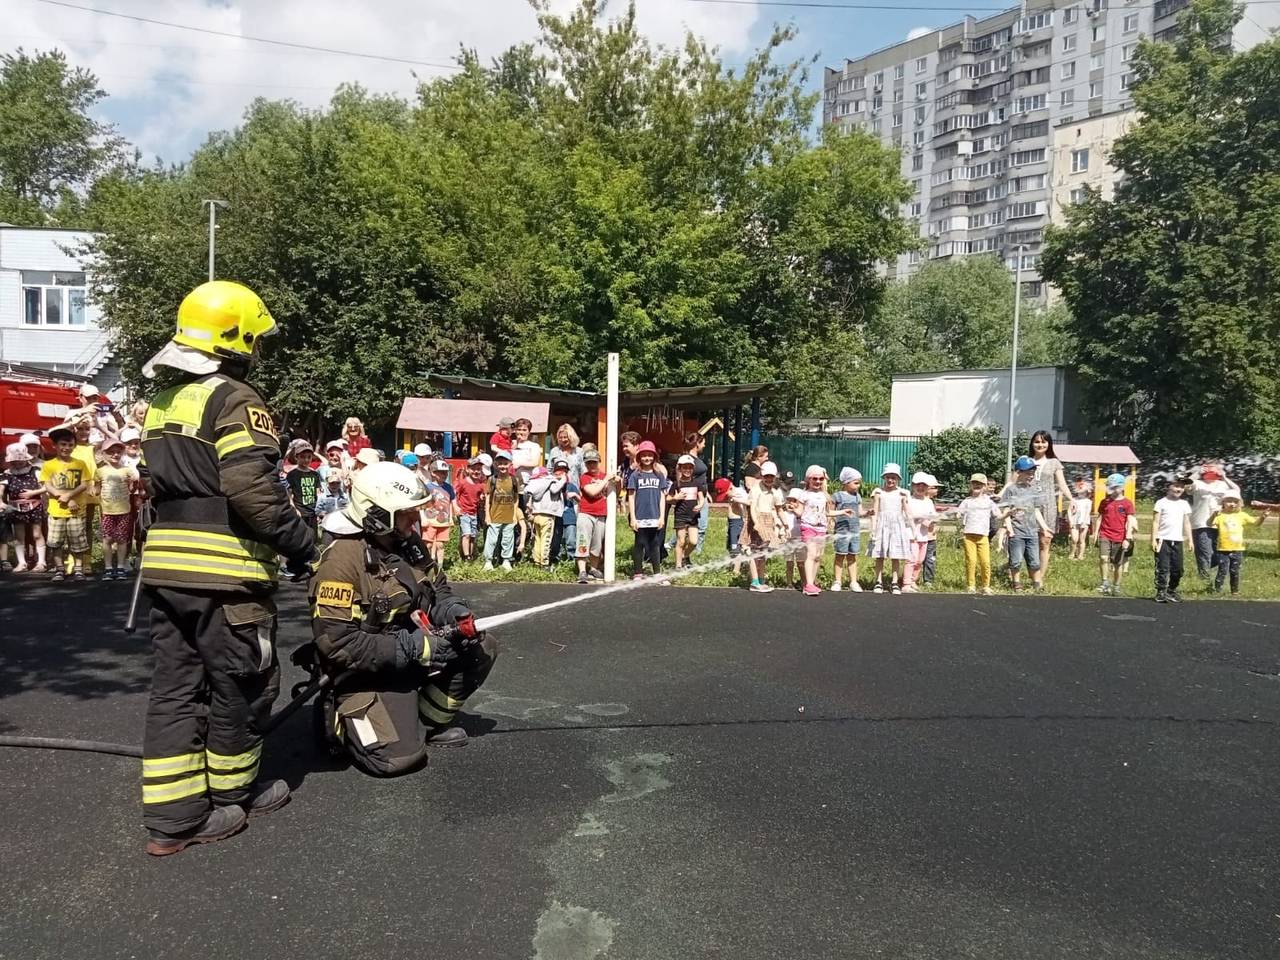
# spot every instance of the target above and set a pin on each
(34, 401)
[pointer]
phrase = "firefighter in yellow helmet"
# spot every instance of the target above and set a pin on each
(209, 567)
(403, 647)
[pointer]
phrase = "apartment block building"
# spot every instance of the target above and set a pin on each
(973, 108)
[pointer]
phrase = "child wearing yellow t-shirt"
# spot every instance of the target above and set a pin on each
(1230, 522)
(66, 480)
(112, 484)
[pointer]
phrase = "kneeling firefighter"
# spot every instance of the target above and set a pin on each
(405, 650)
(209, 566)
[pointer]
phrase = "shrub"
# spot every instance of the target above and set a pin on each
(957, 453)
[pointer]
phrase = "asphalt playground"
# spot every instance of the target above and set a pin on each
(683, 773)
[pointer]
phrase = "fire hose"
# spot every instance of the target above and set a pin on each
(302, 693)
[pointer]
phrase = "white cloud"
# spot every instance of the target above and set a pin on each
(919, 32)
(170, 87)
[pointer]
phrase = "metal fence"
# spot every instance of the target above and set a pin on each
(868, 454)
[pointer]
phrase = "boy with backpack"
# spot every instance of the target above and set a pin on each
(500, 502)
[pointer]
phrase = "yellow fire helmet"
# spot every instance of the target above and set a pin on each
(223, 319)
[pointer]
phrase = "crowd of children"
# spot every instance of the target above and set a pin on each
(79, 484)
(508, 507)
(902, 524)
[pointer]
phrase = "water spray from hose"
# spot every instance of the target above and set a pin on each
(502, 619)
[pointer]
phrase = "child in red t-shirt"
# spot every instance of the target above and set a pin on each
(500, 439)
(469, 493)
(593, 510)
(1117, 524)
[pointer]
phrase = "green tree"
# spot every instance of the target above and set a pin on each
(50, 148)
(587, 193)
(956, 315)
(1172, 285)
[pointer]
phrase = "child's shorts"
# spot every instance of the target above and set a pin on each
(117, 527)
(469, 524)
(848, 544)
(1024, 548)
(436, 534)
(589, 541)
(812, 533)
(1113, 551)
(68, 533)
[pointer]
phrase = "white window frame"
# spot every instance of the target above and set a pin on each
(1080, 160)
(1130, 23)
(1095, 88)
(47, 292)
(1068, 43)
(1097, 61)
(899, 71)
(1068, 71)
(1070, 14)
(1127, 52)
(922, 64)
(1067, 99)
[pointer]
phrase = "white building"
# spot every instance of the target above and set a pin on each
(972, 108)
(46, 317)
(1082, 159)
(1047, 399)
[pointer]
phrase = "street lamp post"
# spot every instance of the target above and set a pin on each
(1013, 358)
(213, 227)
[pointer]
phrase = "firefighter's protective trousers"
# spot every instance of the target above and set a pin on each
(214, 680)
(209, 566)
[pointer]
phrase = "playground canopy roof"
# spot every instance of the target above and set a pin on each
(1095, 453)
(466, 416)
(716, 396)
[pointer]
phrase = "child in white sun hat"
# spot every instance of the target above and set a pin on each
(764, 526)
(890, 535)
(847, 504)
(815, 516)
(923, 519)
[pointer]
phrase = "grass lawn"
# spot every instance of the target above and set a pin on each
(1260, 574)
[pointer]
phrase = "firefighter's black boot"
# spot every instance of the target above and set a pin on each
(267, 798)
(448, 737)
(221, 823)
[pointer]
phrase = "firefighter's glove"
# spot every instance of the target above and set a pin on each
(430, 649)
(430, 646)
(302, 566)
(456, 611)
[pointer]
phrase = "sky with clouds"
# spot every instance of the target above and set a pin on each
(169, 87)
